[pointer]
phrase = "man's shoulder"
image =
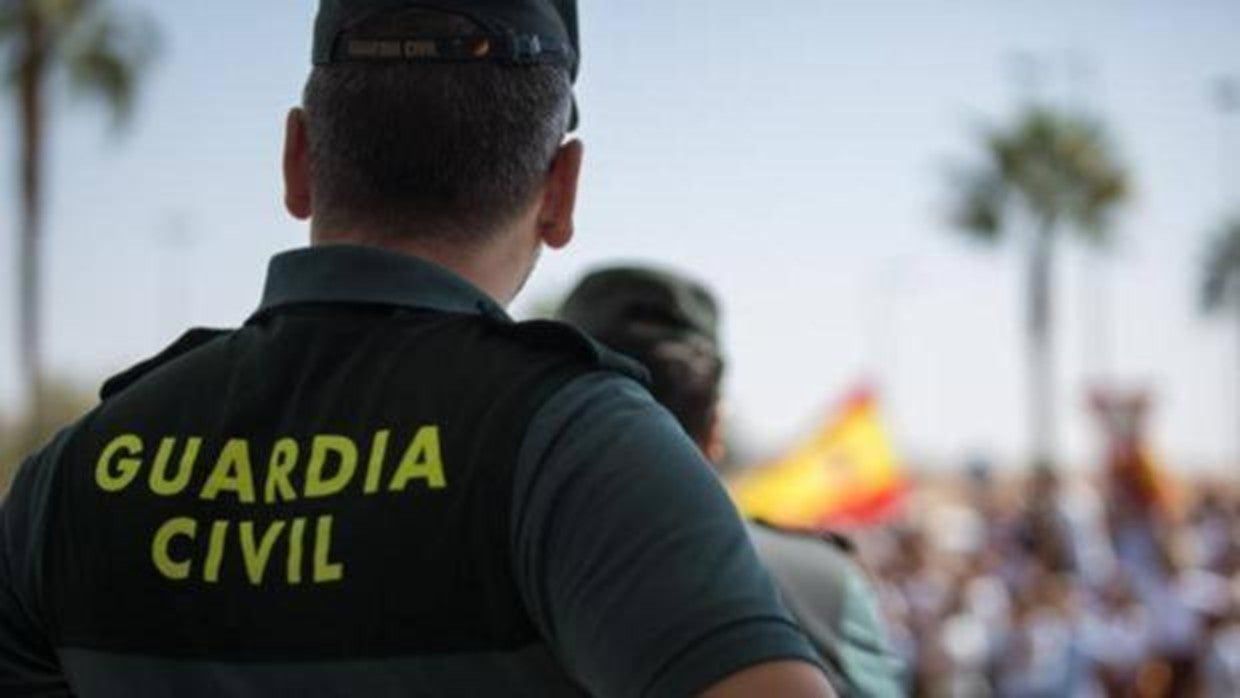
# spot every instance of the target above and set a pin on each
(837, 545)
(546, 357)
(825, 588)
(550, 336)
(193, 340)
(813, 568)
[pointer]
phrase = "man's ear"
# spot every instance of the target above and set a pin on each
(297, 195)
(555, 216)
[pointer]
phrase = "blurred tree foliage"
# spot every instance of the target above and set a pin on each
(95, 50)
(1220, 282)
(1045, 175)
(63, 404)
(1220, 285)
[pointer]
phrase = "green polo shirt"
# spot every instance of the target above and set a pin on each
(627, 555)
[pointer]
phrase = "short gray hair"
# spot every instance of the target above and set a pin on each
(443, 151)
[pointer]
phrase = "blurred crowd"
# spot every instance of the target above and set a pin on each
(1059, 587)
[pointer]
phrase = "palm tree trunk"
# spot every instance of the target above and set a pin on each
(31, 74)
(1237, 454)
(1041, 347)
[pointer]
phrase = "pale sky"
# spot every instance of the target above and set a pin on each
(793, 159)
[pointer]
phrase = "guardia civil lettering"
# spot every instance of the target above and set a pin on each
(263, 474)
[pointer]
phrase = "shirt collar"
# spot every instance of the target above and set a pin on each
(357, 274)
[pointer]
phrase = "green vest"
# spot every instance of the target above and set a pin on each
(330, 481)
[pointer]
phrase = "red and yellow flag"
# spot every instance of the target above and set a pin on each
(846, 474)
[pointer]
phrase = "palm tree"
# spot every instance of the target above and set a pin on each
(1221, 282)
(93, 50)
(1048, 174)
(1220, 287)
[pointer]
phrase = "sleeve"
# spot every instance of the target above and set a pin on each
(870, 666)
(631, 558)
(830, 596)
(28, 665)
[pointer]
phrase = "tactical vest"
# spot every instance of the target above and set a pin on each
(328, 482)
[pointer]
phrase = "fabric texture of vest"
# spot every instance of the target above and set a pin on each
(330, 481)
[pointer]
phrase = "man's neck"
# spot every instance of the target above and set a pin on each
(498, 268)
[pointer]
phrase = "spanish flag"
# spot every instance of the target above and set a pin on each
(845, 475)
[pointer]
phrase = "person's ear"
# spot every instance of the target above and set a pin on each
(555, 215)
(297, 193)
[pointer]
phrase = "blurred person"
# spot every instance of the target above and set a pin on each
(926, 586)
(380, 484)
(1211, 529)
(669, 323)
(1001, 521)
(899, 632)
(964, 640)
(1223, 665)
(1043, 657)
(965, 644)
(1174, 592)
(1222, 660)
(1163, 622)
(911, 595)
(1116, 637)
(1046, 529)
(988, 599)
(1084, 511)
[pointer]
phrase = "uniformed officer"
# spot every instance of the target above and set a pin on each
(669, 323)
(380, 485)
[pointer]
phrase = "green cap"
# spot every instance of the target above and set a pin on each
(625, 305)
(514, 32)
(665, 321)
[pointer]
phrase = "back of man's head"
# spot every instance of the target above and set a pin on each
(412, 136)
(667, 322)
